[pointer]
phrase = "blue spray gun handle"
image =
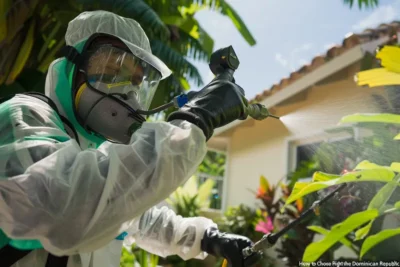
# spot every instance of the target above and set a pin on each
(182, 99)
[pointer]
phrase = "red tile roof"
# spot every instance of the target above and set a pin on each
(349, 42)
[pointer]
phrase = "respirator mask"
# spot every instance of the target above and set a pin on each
(117, 90)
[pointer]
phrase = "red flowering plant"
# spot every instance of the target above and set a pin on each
(273, 198)
(272, 205)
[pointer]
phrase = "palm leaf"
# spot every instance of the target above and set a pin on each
(190, 47)
(189, 26)
(49, 39)
(51, 56)
(176, 61)
(17, 15)
(173, 5)
(238, 22)
(23, 54)
(4, 7)
(136, 9)
(362, 3)
(8, 53)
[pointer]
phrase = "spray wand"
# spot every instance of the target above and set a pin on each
(269, 240)
(223, 64)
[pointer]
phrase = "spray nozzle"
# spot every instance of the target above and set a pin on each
(259, 112)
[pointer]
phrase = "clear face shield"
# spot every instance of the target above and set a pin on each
(116, 88)
(114, 71)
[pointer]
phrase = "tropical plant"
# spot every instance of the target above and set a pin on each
(188, 201)
(242, 220)
(362, 230)
(191, 198)
(362, 3)
(127, 258)
(136, 256)
(213, 164)
(358, 223)
(275, 216)
(32, 34)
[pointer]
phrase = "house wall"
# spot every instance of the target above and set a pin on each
(260, 147)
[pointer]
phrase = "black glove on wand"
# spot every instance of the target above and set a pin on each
(221, 101)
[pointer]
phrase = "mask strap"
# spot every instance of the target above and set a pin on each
(70, 53)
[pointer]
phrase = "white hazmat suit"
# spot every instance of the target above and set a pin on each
(76, 199)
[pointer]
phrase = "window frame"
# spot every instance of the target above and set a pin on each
(331, 134)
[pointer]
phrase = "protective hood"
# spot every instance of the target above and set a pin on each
(127, 30)
(59, 81)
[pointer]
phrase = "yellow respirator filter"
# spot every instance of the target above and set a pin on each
(79, 94)
(388, 75)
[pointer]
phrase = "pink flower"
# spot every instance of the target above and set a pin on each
(265, 227)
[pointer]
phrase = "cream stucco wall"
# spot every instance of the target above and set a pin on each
(260, 148)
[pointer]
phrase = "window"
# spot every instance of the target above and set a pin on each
(217, 192)
(301, 150)
(305, 153)
(213, 167)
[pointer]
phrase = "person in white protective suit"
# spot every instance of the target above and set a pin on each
(81, 171)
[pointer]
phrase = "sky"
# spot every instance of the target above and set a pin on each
(289, 33)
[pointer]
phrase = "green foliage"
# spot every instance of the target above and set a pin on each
(380, 118)
(373, 240)
(323, 231)
(362, 227)
(275, 216)
(213, 164)
(189, 199)
(127, 258)
(305, 169)
(362, 3)
(241, 220)
(315, 250)
(138, 256)
(324, 180)
(333, 157)
(238, 22)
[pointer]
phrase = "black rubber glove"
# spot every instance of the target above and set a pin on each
(191, 94)
(228, 246)
(219, 103)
